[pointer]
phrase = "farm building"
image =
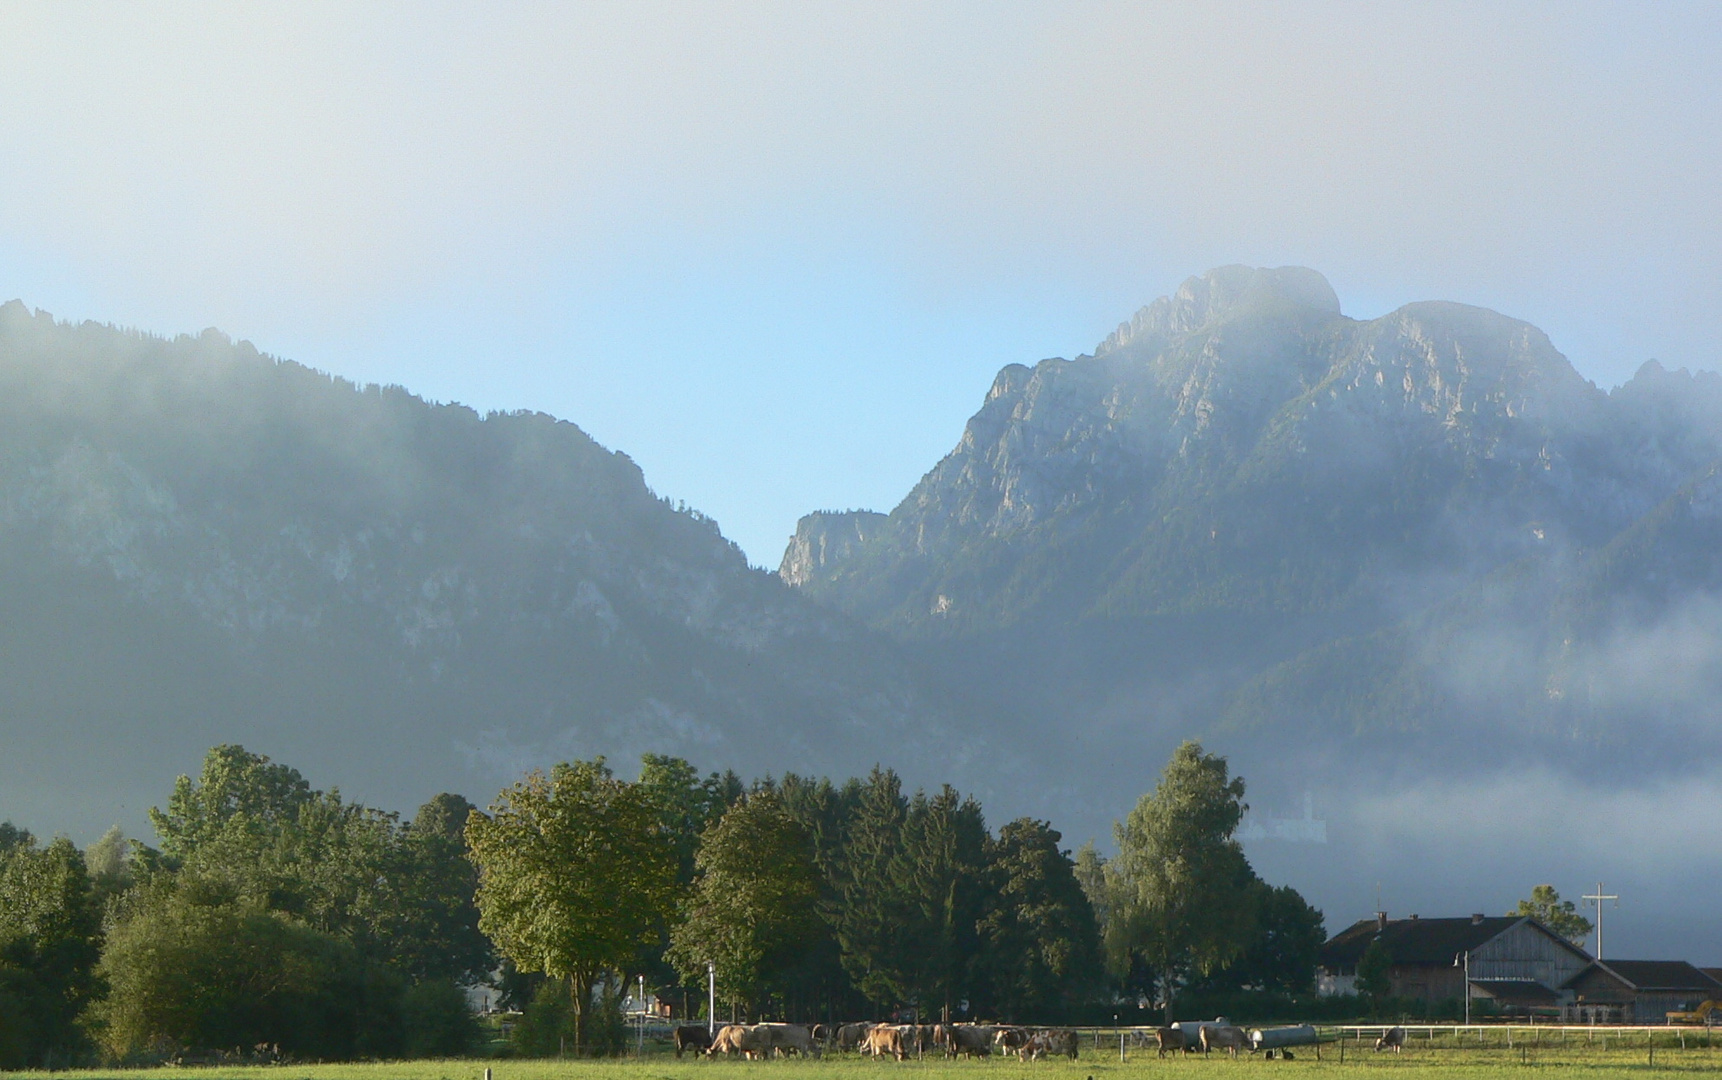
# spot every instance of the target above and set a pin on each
(1513, 960)
(1641, 991)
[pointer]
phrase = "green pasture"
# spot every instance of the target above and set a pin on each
(1432, 1060)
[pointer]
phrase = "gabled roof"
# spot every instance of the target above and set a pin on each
(1714, 973)
(1424, 941)
(1654, 975)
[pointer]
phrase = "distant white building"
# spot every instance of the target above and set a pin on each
(1307, 829)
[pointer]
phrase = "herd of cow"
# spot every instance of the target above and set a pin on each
(902, 1041)
(899, 1041)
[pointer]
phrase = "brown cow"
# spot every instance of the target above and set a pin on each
(883, 1040)
(1225, 1037)
(1169, 1038)
(1392, 1039)
(692, 1037)
(740, 1039)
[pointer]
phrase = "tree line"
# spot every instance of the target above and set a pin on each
(277, 920)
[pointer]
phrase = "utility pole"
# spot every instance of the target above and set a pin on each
(1464, 960)
(1597, 898)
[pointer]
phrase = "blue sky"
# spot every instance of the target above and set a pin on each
(777, 252)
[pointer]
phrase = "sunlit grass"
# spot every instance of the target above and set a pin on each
(1433, 1061)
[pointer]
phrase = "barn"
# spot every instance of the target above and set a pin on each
(1642, 991)
(1514, 960)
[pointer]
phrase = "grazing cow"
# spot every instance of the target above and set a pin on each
(740, 1039)
(1033, 1048)
(883, 1040)
(851, 1036)
(692, 1037)
(973, 1040)
(1169, 1038)
(1010, 1038)
(1392, 1039)
(1062, 1041)
(1225, 1037)
(789, 1039)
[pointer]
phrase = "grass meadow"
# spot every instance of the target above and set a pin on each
(1619, 1055)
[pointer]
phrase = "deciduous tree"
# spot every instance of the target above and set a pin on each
(1180, 889)
(754, 912)
(1546, 906)
(575, 874)
(1039, 940)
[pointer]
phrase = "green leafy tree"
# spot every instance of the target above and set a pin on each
(1040, 945)
(1281, 955)
(1090, 871)
(234, 784)
(192, 970)
(575, 875)
(1180, 890)
(434, 932)
(249, 847)
(1546, 906)
(687, 804)
(49, 945)
(754, 913)
(1372, 971)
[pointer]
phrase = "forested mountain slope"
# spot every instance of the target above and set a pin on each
(1248, 513)
(202, 545)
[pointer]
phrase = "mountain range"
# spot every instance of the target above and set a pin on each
(200, 544)
(1249, 516)
(1414, 573)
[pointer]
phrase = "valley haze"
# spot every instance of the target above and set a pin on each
(1414, 573)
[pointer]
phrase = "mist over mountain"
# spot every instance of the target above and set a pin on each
(1409, 565)
(1414, 573)
(200, 544)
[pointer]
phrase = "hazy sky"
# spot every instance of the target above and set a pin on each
(777, 252)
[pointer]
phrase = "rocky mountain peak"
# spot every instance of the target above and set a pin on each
(1223, 293)
(823, 538)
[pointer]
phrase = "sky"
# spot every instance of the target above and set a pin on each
(776, 252)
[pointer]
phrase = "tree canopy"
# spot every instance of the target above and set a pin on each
(1546, 906)
(574, 874)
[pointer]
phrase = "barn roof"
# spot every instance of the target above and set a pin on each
(1422, 941)
(1654, 975)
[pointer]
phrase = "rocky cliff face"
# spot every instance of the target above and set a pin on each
(1250, 505)
(826, 538)
(199, 544)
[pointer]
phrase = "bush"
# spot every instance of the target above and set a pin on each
(198, 978)
(547, 1027)
(437, 1021)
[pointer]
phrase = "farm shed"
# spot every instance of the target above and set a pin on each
(1506, 953)
(1645, 991)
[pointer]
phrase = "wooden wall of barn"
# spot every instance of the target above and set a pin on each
(1525, 952)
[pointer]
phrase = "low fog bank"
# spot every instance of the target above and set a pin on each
(1358, 833)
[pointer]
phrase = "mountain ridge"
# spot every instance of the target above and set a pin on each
(202, 544)
(1241, 459)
